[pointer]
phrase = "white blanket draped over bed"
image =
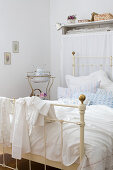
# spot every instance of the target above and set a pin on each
(96, 44)
(5, 110)
(29, 111)
(98, 138)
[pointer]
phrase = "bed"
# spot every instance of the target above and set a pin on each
(93, 153)
(42, 158)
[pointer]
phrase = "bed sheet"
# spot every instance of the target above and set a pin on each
(98, 138)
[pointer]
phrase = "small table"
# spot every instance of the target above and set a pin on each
(50, 82)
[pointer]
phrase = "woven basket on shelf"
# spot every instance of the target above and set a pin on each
(106, 16)
(83, 20)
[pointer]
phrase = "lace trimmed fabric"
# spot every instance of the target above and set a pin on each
(5, 128)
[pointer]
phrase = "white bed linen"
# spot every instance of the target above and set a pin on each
(98, 76)
(5, 110)
(98, 138)
(28, 112)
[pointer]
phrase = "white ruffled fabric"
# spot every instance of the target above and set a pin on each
(29, 111)
(5, 128)
(36, 110)
(20, 135)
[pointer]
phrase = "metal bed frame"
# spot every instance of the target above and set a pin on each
(44, 160)
(90, 65)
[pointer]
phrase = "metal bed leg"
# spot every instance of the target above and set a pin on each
(61, 144)
(3, 156)
(4, 165)
(44, 166)
(44, 146)
(16, 165)
(29, 164)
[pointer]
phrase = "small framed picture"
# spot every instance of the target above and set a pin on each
(7, 58)
(15, 46)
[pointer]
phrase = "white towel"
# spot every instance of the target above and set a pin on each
(36, 110)
(20, 137)
(28, 112)
(5, 110)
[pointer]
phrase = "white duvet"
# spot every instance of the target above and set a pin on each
(98, 138)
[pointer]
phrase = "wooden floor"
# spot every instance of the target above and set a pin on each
(23, 164)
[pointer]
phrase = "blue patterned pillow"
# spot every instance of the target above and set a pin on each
(67, 94)
(89, 96)
(103, 97)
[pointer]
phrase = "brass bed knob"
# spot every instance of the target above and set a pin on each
(82, 97)
(73, 53)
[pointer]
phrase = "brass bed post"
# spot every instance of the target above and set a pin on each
(82, 109)
(111, 64)
(73, 65)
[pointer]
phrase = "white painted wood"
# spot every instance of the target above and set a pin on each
(90, 25)
(82, 109)
(64, 105)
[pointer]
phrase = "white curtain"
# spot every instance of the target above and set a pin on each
(95, 48)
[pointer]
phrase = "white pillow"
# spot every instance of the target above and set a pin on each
(94, 77)
(71, 80)
(82, 83)
(101, 76)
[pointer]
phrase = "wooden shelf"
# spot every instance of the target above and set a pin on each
(89, 25)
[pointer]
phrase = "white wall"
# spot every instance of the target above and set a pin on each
(26, 21)
(59, 10)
